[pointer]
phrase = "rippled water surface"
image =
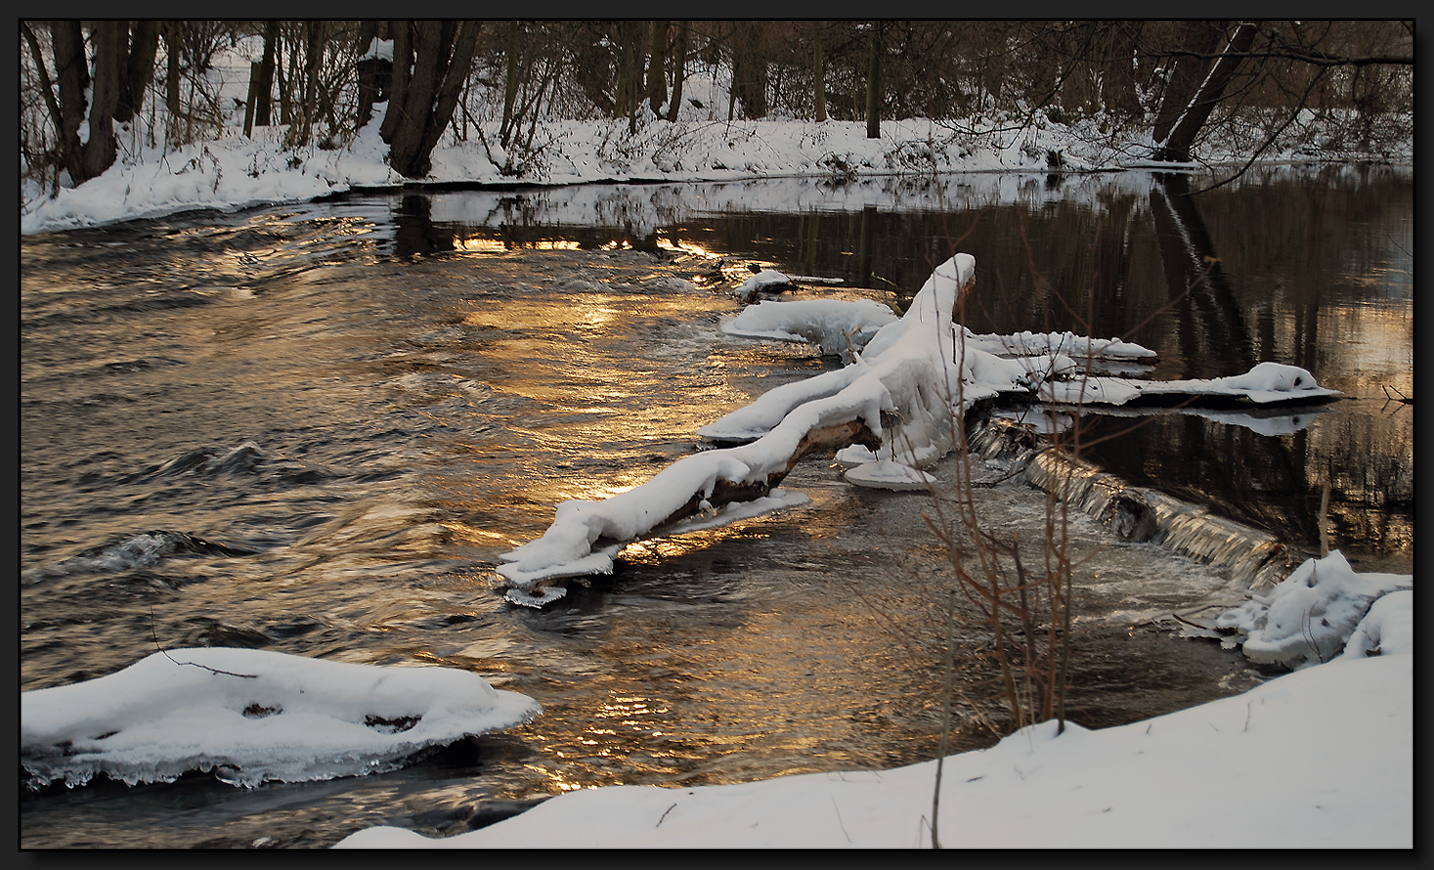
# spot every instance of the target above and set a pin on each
(313, 429)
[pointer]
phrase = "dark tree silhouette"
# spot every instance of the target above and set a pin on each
(431, 62)
(114, 92)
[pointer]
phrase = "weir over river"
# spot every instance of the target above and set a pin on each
(314, 428)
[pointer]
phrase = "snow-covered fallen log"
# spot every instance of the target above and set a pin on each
(1265, 384)
(902, 376)
(1078, 347)
(895, 405)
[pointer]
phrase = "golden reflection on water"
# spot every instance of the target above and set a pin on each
(658, 551)
(1368, 347)
(485, 245)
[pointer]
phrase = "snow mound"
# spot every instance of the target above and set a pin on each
(1388, 628)
(888, 474)
(252, 716)
(765, 280)
(1273, 382)
(1314, 612)
(837, 325)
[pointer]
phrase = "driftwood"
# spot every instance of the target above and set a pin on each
(585, 535)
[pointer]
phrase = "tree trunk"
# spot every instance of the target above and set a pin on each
(873, 83)
(1201, 38)
(1176, 146)
(592, 63)
(138, 69)
(633, 46)
(374, 73)
(431, 62)
(657, 68)
(172, 42)
(287, 82)
(749, 69)
(819, 76)
(72, 71)
(265, 85)
(249, 100)
(402, 32)
(1118, 83)
(47, 89)
(100, 149)
(510, 84)
(679, 71)
(301, 130)
(88, 159)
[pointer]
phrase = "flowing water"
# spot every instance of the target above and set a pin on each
(313, 429)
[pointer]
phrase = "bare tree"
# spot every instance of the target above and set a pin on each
(265, 85)
(749, 68)
(657, 68)
(512, 75)
(374, 73)
(679, 70)
(302, 126)
(138, 65)
(1202, 82)
(873, 82)
(431, 62)
(110, 43)
(819, 76)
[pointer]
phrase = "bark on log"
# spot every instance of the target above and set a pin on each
(828, 439)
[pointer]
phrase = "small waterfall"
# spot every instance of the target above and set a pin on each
(1255, 558)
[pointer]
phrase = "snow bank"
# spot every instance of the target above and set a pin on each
(252, 716)
(1321, 758)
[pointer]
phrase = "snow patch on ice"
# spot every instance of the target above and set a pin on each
(252, 716)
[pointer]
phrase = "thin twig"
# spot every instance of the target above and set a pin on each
(664, 815)
(839, 821)
(155, 636)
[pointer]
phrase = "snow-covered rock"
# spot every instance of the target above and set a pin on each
(252, 716)
(1313, 613)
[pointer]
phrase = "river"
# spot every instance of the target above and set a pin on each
(314, 428)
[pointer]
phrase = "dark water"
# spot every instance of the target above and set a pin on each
(313, 429)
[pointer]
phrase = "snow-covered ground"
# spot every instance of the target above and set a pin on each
(231, 171)
(1320, 758)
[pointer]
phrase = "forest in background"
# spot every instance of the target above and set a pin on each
(496, 81)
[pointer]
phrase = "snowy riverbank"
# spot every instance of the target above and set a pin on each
(1319, 758)
(235, 171)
